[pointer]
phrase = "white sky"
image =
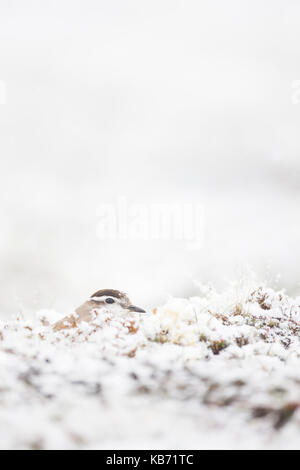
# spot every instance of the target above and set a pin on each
(161, 101)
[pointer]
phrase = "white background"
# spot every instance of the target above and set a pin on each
(158, 101)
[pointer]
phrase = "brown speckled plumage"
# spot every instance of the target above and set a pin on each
(85, 312)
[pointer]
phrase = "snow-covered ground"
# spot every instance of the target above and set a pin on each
(220, 370)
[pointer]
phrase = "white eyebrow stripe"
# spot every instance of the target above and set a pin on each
(104, 297)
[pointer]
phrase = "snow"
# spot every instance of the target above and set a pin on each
(219, 370)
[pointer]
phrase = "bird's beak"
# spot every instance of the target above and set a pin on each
(133, 308)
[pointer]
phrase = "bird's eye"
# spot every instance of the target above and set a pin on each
(109, 300)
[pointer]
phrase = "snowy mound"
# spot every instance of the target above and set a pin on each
(214, 371)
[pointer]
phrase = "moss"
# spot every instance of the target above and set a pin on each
(264, 336)
(239, 383)
(238, 310)
(278, 392)
(218, 346)
(284, 414)
(251, 321)
(162, 337)
(261, 411)
(242, 341)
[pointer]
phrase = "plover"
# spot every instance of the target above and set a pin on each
(112, 300)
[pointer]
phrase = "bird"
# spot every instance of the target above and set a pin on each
(112, 300)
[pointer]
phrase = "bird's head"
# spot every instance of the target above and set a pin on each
(114, 300)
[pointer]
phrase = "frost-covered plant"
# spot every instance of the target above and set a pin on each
(225, 361)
